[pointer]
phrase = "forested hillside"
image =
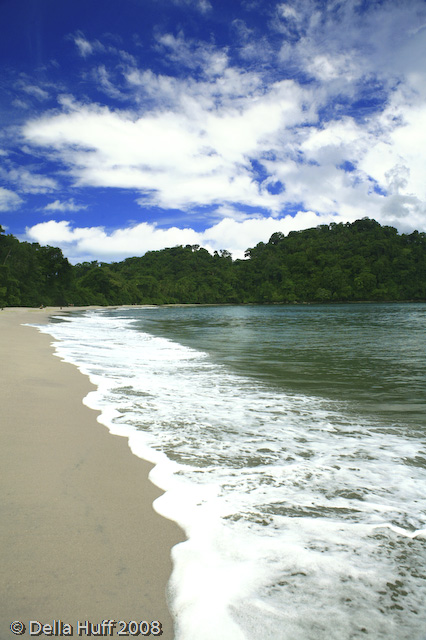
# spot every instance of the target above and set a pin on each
(31, 275)
(336, 262)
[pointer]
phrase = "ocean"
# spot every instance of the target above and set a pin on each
(290, 443)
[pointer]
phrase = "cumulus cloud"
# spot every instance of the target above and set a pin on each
(9, 200)
(397, 159)
(80, 243)
(192, 155)
(327, 117)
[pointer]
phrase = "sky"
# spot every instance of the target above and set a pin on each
(135, 125)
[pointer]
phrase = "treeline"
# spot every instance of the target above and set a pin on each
(336, 262)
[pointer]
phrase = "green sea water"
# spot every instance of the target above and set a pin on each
(371, 356)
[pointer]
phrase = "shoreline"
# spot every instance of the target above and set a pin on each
(80, 538)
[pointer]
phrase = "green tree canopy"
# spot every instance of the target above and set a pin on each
(336, 262)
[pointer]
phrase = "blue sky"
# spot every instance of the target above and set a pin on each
(134, 125)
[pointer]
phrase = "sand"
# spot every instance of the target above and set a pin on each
(79, 537)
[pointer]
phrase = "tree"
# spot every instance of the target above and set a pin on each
(336, 262)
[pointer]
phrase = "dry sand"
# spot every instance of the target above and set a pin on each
(79, 537)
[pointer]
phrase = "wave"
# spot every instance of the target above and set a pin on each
(300, 519)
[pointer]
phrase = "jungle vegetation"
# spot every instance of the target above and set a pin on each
(359, 261)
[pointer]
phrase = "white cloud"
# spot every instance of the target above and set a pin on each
(345, 47)
(220, 135)
(90, 243)
(287, 12)
(335, 142)
(84, 46)
(51, 232)
(203, 6)
(238, 236)
(35, 91)
(105, 83)
(9, 200)
(328, 67)
(398, 158)
(178, 158)
(30, 86)
(95, 243)
(68, 205)
(20, 104)
(29, 182)
(407, 213)
(192, 54)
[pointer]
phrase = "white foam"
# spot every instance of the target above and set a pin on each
(419, 533)
(283, 498)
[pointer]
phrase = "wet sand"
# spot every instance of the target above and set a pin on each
(79, 538)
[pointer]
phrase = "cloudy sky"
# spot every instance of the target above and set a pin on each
(130, 125)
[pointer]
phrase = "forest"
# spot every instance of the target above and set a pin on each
(345, 262)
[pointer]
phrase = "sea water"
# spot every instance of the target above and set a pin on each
(290, 443)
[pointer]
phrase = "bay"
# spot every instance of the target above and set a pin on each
(369, 354)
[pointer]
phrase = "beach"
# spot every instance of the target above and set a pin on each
(80, 539)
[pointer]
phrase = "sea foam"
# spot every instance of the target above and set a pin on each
(298, 519)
